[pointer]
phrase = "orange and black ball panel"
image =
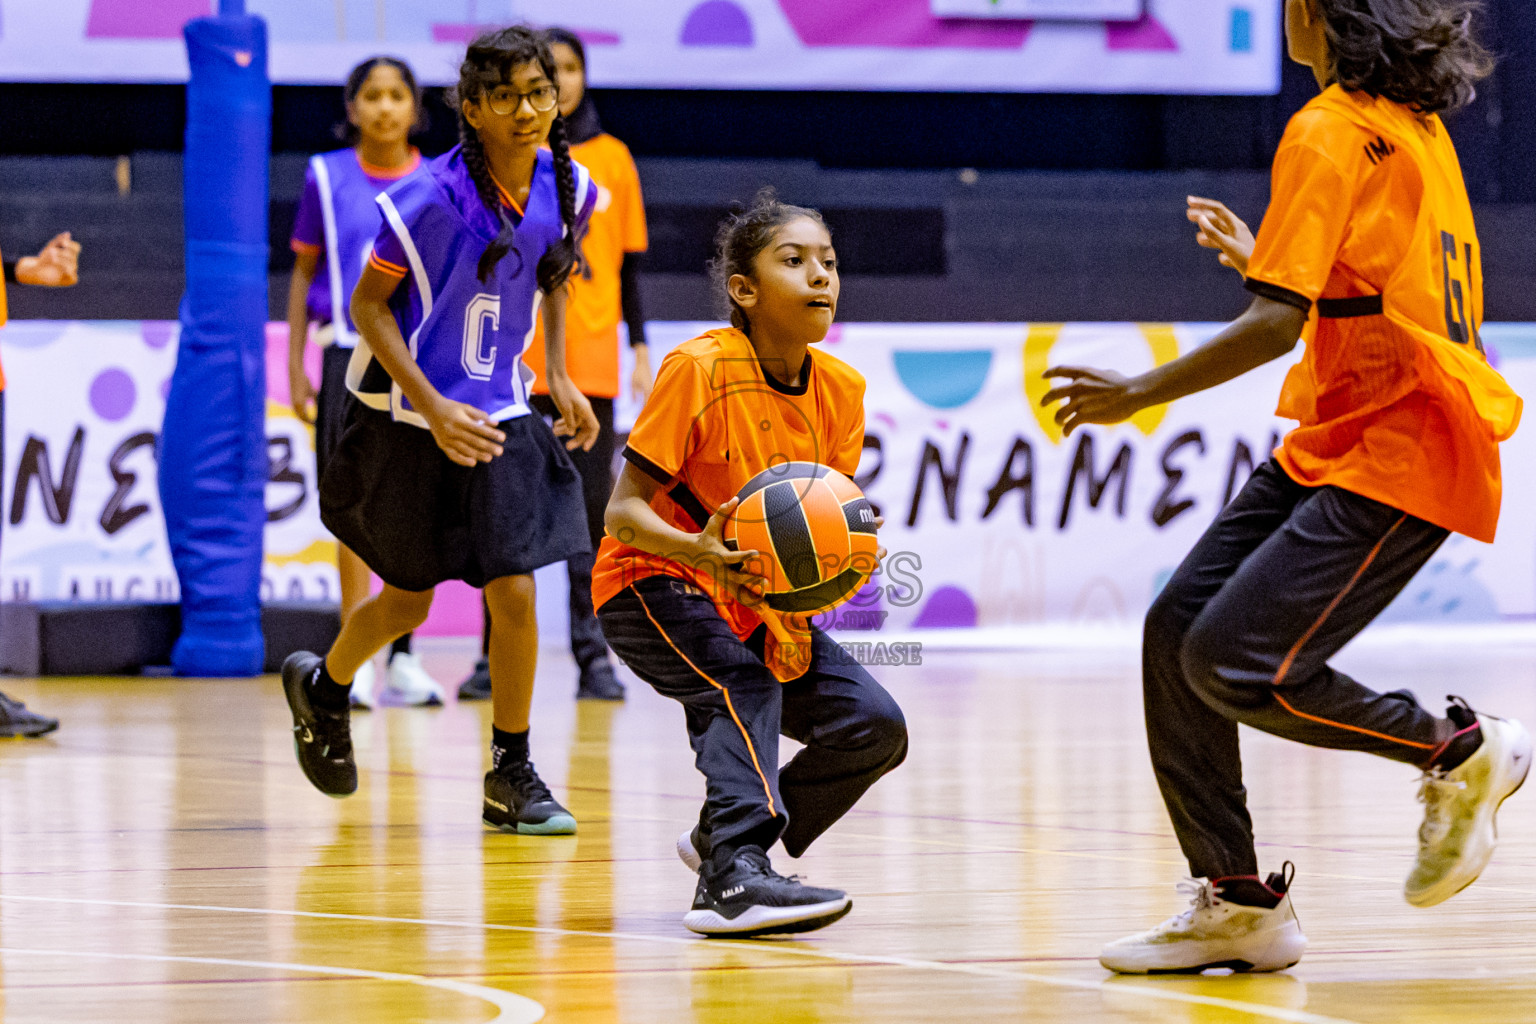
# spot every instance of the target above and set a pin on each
(815, 531)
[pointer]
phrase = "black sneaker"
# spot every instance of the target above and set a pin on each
(322, 739)
(16, 720)
(598, 682)
(516, 800)
(478, 685)
(749, 898)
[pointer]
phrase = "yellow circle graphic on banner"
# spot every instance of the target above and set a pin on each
(1039, 341)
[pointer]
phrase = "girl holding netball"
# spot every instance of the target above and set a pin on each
(441, 472)
(727, 406)
(1369, 254)
(333, 233)
(605, 293)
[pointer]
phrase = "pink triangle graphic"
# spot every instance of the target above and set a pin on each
(897, 23)
(463, 32)
(143, 19)
(1146, 34)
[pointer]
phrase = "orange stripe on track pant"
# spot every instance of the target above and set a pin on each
(756, 764)
(1290, 658)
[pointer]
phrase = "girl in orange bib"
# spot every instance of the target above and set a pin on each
(727, 406)
(1369, 255)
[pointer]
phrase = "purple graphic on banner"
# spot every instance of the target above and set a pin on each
(158, 333)
(1146, 34)
(948, 608)
(717, 23)
(143, 19)
(113, 394)
(903, 23)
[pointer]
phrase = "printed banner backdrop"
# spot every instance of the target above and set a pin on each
(84, 402)
(1174, 46)
(992, 519)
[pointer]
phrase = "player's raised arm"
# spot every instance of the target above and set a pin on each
(1267, 331)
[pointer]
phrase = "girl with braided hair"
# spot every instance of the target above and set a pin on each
(604, 294)
(442, 472)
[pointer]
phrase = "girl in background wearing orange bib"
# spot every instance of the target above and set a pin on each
(1369, 255)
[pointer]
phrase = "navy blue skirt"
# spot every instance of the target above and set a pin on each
(417, 519)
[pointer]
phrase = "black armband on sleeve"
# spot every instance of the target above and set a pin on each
(10, 271)
(1276, 293)
(629, 297)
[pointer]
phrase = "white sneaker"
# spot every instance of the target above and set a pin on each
(1459, 833)
(1214, 932)
(689, 853)
(409, 682)
(363, 685)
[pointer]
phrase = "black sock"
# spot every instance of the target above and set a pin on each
(326, 692)
(761, 836)
(1458, 748)
(508, 747)
(402, 645)
(1247, 892)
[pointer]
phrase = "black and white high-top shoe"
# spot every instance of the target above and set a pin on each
(748, 898)
(322, 739)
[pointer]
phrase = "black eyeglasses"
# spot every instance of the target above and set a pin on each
(504, 99)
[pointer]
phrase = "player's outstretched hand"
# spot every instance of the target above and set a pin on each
(577, 420)
(57, 266)
(463, 432)
(642, 380)
(301, 393)
(743, 580)
(1222, 230)
(1090, 396)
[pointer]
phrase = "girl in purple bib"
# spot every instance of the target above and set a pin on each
(441, 472)
(333, 233)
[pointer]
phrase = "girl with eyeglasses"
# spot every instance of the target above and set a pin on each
(604, 294)
(442, 473)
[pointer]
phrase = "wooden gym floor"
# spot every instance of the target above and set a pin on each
(162, 860)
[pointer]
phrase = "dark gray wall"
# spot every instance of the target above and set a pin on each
(995, 245)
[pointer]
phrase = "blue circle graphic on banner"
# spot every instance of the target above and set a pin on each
(944, 380)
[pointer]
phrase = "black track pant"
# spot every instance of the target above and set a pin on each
(596, 470)
(1284, 577)
(669, 633)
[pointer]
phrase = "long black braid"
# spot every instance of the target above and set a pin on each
(480, 174)
(488, 63)
(560, 259)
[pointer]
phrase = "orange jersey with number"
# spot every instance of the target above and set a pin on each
(1394, 395)
(594, 309)
(714, 421)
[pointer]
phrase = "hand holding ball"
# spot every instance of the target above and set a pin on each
(814, 530)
